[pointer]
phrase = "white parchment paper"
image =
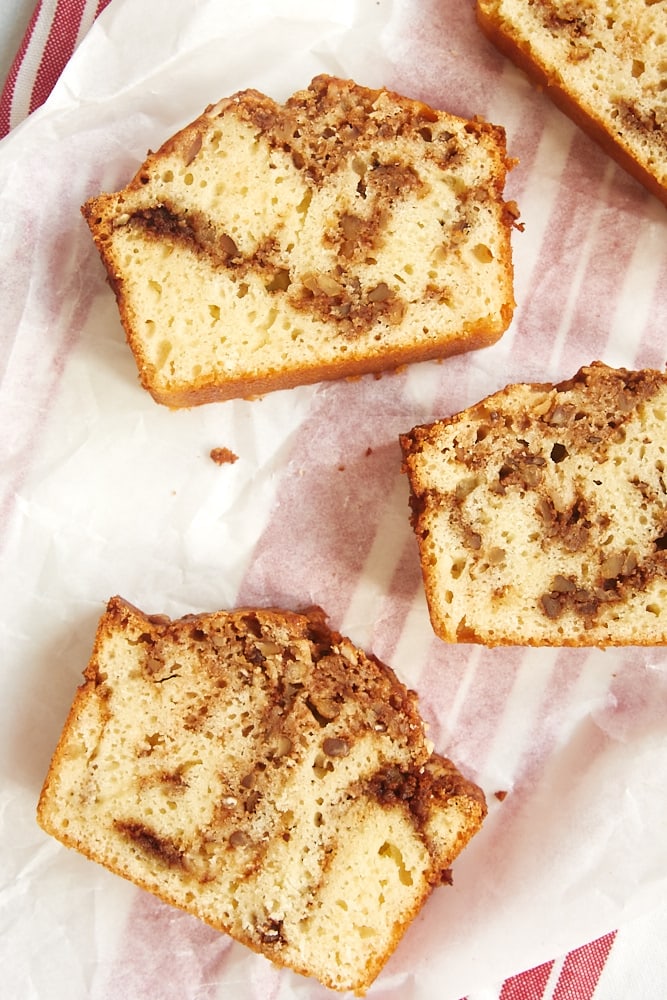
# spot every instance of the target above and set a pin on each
(105, 492)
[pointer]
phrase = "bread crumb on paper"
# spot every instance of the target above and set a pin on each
(223, 456)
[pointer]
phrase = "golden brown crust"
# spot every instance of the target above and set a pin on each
(554, 80)
(210, 391)
(355, 232)
(259, 771)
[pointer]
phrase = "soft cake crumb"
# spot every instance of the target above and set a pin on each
(603, 62)
(541, 513)
(347, 231)
(262, 773)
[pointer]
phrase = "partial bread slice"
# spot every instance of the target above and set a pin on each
(603, 63)
(259, 771)
(347, 231)
(541, 513)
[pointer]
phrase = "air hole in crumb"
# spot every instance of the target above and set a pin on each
(457, 568)
(321, 719)
(391, 851)
(482, 253)
(321, 767)
(163, 354)
(280, 281)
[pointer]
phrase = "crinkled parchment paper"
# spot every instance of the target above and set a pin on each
(105, 492)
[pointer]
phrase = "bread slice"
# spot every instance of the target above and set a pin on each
(541, 513)
(256, 769)
(347, 231)
(603, 63)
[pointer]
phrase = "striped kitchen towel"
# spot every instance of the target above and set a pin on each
(55, 29)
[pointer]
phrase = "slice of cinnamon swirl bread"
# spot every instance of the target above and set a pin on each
(541, 513)
(346, 231)
(259, 771)
(603, 62)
